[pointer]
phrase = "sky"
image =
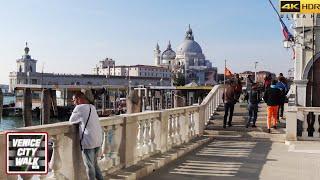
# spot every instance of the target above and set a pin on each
(72, 36)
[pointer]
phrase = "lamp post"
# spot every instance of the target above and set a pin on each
(255, 71)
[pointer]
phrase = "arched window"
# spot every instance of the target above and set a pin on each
(20, 68)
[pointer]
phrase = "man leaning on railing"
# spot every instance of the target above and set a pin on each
(85, 114)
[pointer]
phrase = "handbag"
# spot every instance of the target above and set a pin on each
(85, 128)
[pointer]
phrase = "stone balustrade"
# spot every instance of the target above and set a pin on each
(302, 123)
(128, 138)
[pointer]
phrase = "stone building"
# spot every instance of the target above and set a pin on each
(27, 74)
(188, 60)
(307, 59)
(107, 67)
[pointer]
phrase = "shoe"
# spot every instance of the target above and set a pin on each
(275, 127)
(247, 125)
(269, 130)
(229, 124)
(254, 126)
(224, 126)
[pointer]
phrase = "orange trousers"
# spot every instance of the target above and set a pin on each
(272, 114)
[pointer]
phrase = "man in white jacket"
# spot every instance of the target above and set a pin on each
(85, 114)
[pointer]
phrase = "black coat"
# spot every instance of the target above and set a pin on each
(273, 96)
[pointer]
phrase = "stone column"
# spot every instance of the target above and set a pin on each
(1, 103)
(301, 92)
(27, 107)
(291, 124)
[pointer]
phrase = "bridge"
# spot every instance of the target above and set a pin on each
(189, 143)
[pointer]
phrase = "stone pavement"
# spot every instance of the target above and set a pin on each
(238, 153)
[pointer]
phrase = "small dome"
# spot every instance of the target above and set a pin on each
(189, 46)
(168, 53)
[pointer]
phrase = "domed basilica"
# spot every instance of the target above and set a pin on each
(189, 60)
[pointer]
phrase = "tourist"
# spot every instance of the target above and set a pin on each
(253, 97)
(238, 87)
(267, 82)
(282, 85)
(272, 97)
(229, 98)
(85, 114)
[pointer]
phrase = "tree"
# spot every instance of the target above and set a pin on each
(178, 79)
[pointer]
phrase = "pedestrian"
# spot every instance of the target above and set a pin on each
(238, 87)
(267, 82)
(282, 85)
(90, 131)
(272, 97)
(229, 98)
(253, 100)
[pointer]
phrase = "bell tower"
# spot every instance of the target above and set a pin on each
(157, 55)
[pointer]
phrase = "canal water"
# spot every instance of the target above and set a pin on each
(7, 123)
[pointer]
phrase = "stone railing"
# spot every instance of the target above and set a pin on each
(302, 123)
(128, 138)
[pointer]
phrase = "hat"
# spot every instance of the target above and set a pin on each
(88, 95)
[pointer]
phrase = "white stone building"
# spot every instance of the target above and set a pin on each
(307, 59)
(188, 60)
(27, 74)
(107, 67)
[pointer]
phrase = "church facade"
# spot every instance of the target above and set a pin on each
(188, 60)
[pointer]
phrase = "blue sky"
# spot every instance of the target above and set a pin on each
(72, 36)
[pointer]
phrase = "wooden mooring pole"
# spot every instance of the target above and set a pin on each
(27, 107)
(46, 106)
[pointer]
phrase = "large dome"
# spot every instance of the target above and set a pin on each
(189, 46)
(168, 54)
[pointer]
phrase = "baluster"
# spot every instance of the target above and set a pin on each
(217, 99)
(114, 145)
(152, 145)
(55, 163)
(305, 124)
(146, 136)
(214, 102)
(169, 131)
(316, 125)
(173, 124)
(189, 126)
(193, 130)
(210, 108)
(178, 127)
(140, 139)
(105, 163)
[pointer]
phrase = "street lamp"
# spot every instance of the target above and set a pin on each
(255, 71)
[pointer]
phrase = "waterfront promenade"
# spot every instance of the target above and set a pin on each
(183, 143)
(238, 153)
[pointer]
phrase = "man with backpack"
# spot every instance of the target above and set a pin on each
(282, 85)
(253, 98)
(272, 97)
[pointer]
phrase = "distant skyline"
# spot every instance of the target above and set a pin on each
(72, 36)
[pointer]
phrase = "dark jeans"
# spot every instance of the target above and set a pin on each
(280, 110)
(253, 113)
(227, 107)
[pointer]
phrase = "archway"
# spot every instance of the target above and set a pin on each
(313, 87)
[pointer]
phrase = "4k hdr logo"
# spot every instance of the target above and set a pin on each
(302, 6)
